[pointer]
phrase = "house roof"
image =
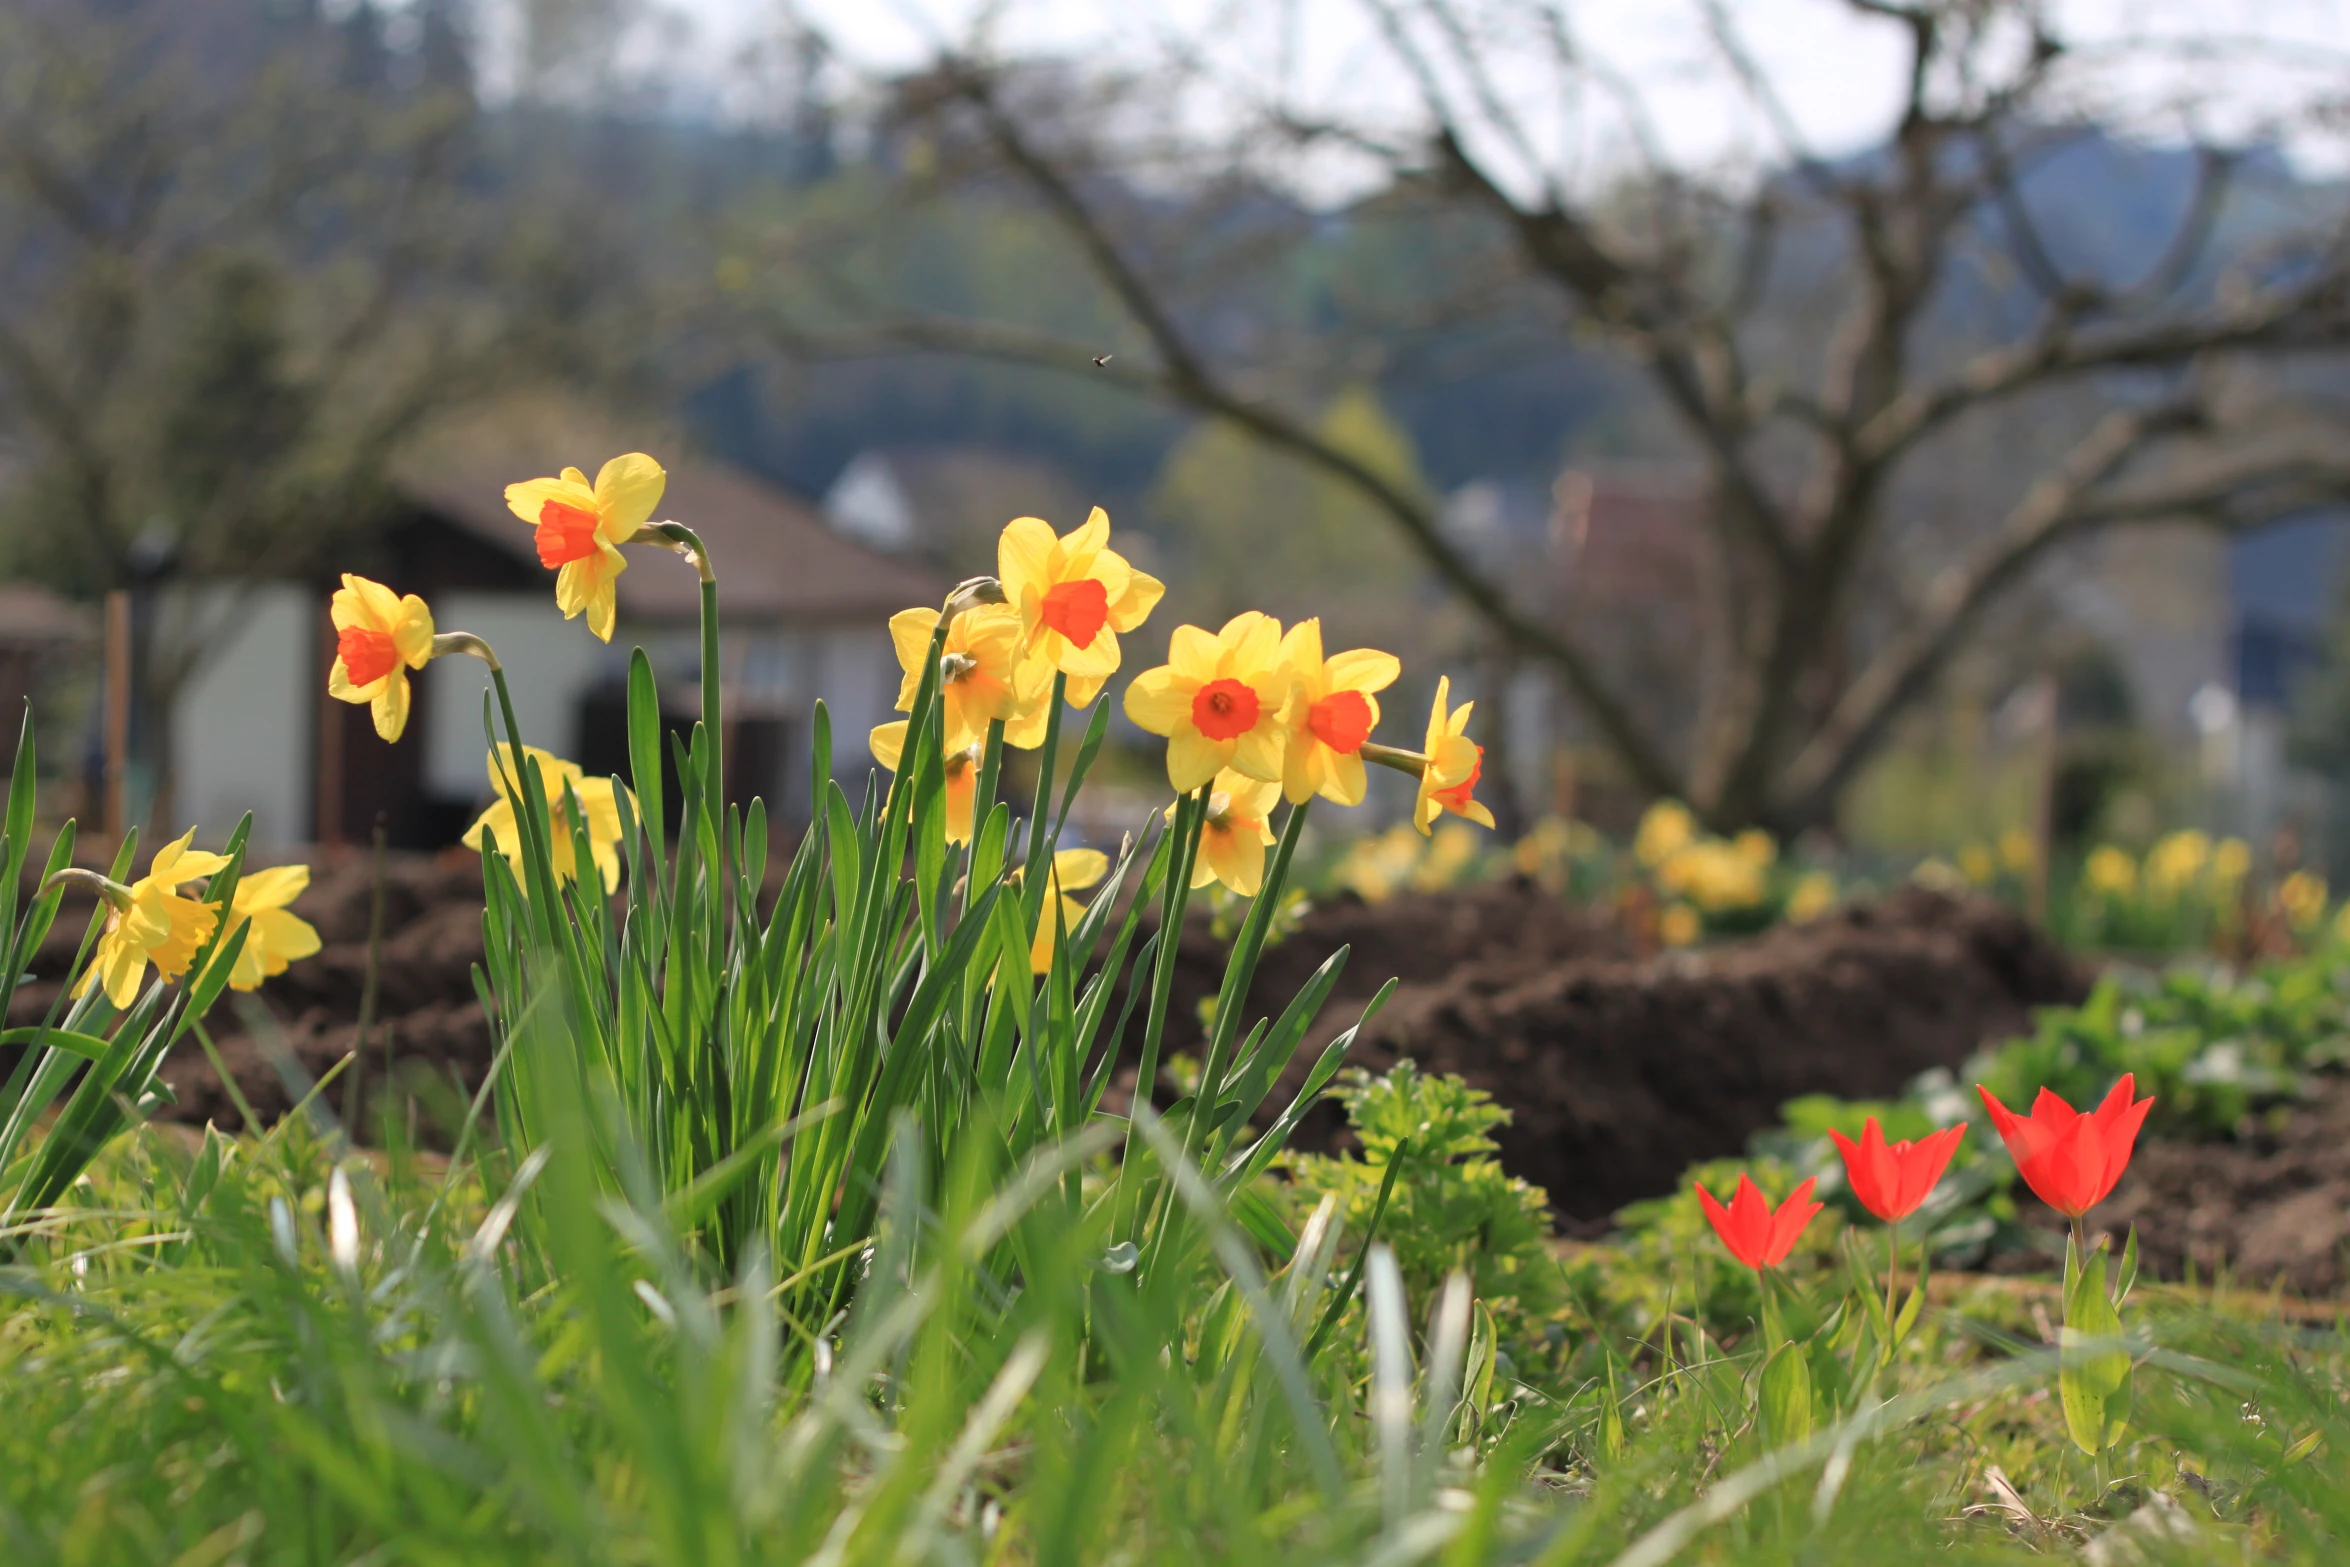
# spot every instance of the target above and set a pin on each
(34, 617)
(776, 559)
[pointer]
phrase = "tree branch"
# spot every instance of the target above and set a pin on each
(2067, 504)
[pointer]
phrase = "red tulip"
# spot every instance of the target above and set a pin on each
(1755, 1235)
(2070, 1159)
(1891, 1180)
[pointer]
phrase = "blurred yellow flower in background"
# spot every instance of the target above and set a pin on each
(982, 673)
(1976, 865)
(2176, 861)
(581, 527)
(1756, 847)
(274, 937)
(1665, 827)
(888, 742)
(2231, 861)
(1234, 835)
(1073, 595)
(1813, 895)
(2110, 871)
(2302, 896)
(2019, 852)
(596, 799)
(1073, 870)
(151, 923)
(1679, 926)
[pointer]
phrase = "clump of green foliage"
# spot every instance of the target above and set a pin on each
(1450, 1205)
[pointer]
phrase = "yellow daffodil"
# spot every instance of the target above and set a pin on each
(274, 937)
(962, 776)
(581, 527)
(1073, 870)
(2111, 871)
(982, 673)
(1665, 828)
(1813, 895)
(1218, 700)
(1332, 710)
(1073, 595)
(1455, 763)
(1679, 926)
(1756, 847)
(379, 637)
(2176, 861)
(1233, 837)
(2302, 896)
(596, 798)
(149, 922)
(2231, 860)
(2019, 851)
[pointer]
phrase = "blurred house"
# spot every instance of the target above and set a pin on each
(946, 504)
(803, 614)
(38, 632)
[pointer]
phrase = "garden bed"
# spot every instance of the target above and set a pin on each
(1619, 1072)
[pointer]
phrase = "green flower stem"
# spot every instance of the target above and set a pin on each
(1232, 999)
(1034, 888)
(1183, 846)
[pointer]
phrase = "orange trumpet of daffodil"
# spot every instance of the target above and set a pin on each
(1072, 870)
(962, 776)
(581, 527)
(379, 636)
(1218, 700)
(597, 800)
(1235, 832)
(274, 936)
(1455, 762)
(983, 675)
(1073, 594)
(1331, 712)
(149, 922)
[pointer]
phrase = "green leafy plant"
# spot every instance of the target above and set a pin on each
(1448, 1203)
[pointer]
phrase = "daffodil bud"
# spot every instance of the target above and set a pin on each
(971, 593)
(116, 895)
(463, 642)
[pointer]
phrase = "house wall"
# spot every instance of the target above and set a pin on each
(244, 734)
(550, 664)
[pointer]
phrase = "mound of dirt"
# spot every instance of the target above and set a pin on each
(2272, 1207)
(427, 1018)
(1620, 1074)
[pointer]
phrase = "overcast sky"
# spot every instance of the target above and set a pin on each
(1838, 73)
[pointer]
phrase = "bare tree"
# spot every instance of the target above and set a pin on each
(2171, 384)
(239, 265)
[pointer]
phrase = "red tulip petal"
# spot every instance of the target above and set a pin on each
(1724, 1226)
(1788, 1223)
(2120, 1140)
(2053, 1111)
(1859, 1172)
(1921, 1167)
(2117, 1101)
(2068, 1176)
(2027, 1141)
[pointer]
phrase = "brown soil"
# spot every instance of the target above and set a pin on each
(428, 1019)
(2270, 1208)
(1621, 1074)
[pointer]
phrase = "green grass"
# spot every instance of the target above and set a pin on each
(268, 1352)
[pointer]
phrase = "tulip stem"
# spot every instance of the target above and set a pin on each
(1892, 1275)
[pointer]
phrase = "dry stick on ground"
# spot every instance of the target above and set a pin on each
(1676, 282)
